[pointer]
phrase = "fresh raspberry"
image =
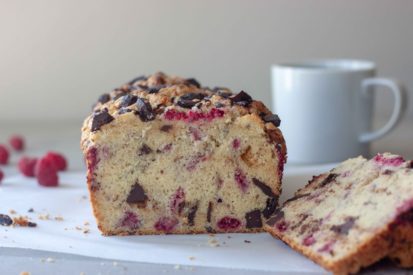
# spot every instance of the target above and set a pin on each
(1, 176)
(26, 166)
(17, 143)
(177, 201)
(58, 160)
(130, 220)
(241, 179)
(4, 154)
(46, 172)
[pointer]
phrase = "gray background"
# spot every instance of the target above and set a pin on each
(56, 57)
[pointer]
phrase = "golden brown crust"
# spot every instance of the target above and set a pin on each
(369, 252)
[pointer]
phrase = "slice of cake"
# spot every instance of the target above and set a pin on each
(352, 216)
(165, 155)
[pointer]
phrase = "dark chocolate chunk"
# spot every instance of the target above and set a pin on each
(242, 99)
(193, 81)
(345, 227)
(100, 119)
(410, 164)
(209, 229)
(104, 98)
(31, 224)
(209, 211)
(191, 96)
(192, 214)
(253, 219)
(137, 196)
(184, 103)
(144, 150)
(331, 177)
(5, 220)
(119, 94)
(270, 207)
(155, 89)
(273, 118)
(297, 197)
(278, 215)
(264, 188)
(124, 110)
(223, 92)
(166, 128)
(128, 100)
(142, 77)
(144, 110)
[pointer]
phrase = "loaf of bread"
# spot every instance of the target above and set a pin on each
(353, 216)
(165, 155)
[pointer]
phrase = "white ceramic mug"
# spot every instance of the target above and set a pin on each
(326, 108)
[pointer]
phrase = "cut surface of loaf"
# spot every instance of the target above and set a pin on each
(353, 216)
(167, 156)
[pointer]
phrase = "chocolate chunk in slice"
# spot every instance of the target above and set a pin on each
(192, 214)
(242, 99)
(166, 128)
(278, 215)
(145, 150)
(104, 98)
(5, 220)
(297, 197)
(264, 188)
(273, 118)
(137, 196)
(209, 212)
(144, 110)
(193, 81)
(270, 207)
(128, 100)
(139, 78)
(253, 219)
(331, 177)
(345, 227)
(101, 118)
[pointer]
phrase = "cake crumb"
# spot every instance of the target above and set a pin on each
(78, 228)
(44, 217)
(31, 210)
(12, 212)
(59, 218)
(213, 243)
(24, 273)
(49, 260)
(86, 231)
(23, 221)
(247, 241)
(191, 258)
(177, 266)
(82, 273)
(86, 223)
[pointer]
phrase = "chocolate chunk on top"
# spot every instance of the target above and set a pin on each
(128, 100)
(137, 196)
(100, 118)
(104, 98)
(273, 118)
(5, 220)
(253, 219)
(190, 100)
(193, 81)
(144, 110)
(142, 77)
(242, 99)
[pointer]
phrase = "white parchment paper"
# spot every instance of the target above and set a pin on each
(77, 232)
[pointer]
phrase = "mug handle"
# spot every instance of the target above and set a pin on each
(399, 108)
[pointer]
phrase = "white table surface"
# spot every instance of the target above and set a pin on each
(64, 137)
